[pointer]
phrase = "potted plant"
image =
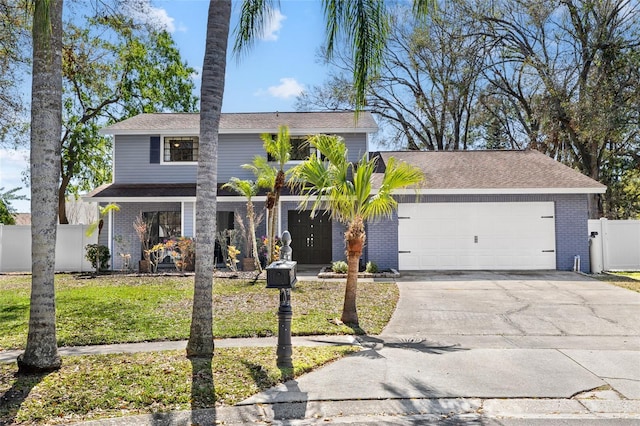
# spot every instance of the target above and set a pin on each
(248, 188)
(143, 231)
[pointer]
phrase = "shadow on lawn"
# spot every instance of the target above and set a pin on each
(203, 392)
(14, 397)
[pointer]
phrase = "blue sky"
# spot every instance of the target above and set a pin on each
(270, 75)
(267, 78)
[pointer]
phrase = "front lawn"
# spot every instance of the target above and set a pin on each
(118, 309)
(99, 386)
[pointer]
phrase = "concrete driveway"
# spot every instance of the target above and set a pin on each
(495, 337)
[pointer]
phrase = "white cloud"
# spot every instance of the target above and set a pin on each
(143, 11)
(287, 88)
(273, 26)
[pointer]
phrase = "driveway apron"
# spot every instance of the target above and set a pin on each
(489, 335)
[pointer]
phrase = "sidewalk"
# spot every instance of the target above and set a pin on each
(473, 349)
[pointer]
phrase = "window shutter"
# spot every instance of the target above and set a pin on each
(154, 152)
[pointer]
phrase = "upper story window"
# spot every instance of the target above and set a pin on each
(300, 149)
(180, 149)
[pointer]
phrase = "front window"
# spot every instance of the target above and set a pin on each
(163, 226)
(181, 149)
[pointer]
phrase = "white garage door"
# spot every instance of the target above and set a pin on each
(450, 236)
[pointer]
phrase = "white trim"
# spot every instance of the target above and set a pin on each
(226, 199)
(177, 163)
(279, 217)
(138, 199)
(110, 238)
(483, 191)
(254, 131)
(182, 218)
(193, 233)
(472, 191)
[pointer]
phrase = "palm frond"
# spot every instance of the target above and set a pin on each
(400, 175)
(264, 172)
(364, 23)
(246, 188)
(280, 147)
(422, 8)
(254, 18)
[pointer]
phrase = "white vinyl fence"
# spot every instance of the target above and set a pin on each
(616, 246)
(15, 248)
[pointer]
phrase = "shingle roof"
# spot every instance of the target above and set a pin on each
(260, 122)
(489, 170)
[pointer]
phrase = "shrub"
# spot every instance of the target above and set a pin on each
(372, 267)
(96, 251)
(339, 266)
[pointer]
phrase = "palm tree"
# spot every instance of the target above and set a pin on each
(248, 189)
(200, 342)
(41, 352)
(362, 21)
(345, 190)
(280, 150)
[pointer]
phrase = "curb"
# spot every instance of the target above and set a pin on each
(398, 411)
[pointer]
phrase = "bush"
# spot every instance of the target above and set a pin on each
(339, 266)
(372, 267)
(97, 251)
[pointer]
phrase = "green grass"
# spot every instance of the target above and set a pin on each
(99, 386)
(118, 309)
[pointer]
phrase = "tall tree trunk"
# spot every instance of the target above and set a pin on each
(273, 223)
(200, 342)
(252, 234)
(355, 238)
(41, 353)
(62, 200)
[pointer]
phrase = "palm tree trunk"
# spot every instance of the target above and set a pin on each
(252, 234)
(349, 309)
(272, 231)
(200, 342)
(354, 237)
(41, 353)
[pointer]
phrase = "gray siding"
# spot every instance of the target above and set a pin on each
(235, 150)
(571, 227)
(357, 145)
(132, 164)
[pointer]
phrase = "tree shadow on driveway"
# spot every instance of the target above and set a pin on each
(373, 345)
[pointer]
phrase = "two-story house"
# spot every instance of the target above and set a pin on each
(154, 173)
(476, 210)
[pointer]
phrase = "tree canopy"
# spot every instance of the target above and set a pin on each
(559, 76)
(114, 68)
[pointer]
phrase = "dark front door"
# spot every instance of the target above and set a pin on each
(310, 237)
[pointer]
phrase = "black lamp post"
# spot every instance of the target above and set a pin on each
(282, 275)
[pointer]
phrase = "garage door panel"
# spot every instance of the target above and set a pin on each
(476, 236)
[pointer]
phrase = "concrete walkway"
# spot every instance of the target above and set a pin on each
(478, 348)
